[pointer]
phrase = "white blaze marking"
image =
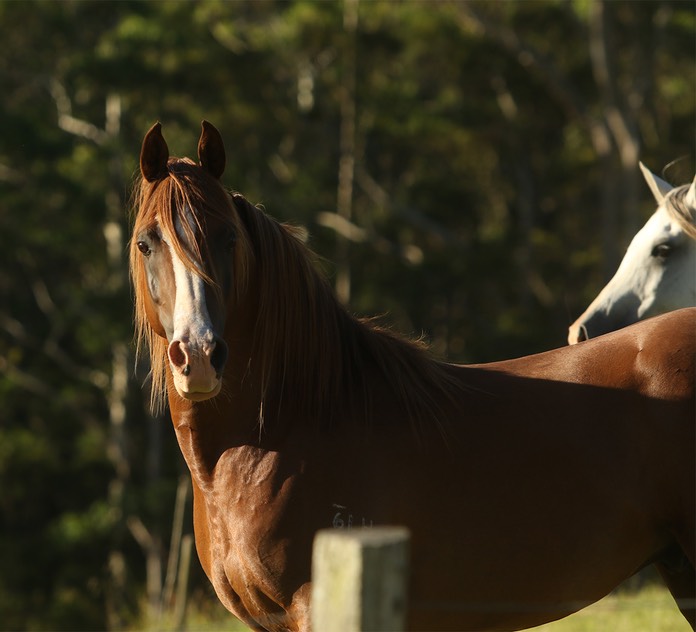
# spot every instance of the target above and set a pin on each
(191, 317)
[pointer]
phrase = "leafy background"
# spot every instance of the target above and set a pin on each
(467, 169)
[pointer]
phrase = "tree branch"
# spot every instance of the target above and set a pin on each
(68, 123)
(349, 231)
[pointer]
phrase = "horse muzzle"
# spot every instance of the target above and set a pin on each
(197, 367)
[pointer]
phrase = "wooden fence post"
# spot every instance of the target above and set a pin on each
(359, 579)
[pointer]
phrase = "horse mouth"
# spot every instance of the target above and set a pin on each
(199, 395)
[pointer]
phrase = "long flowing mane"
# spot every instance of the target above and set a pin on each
(310, 354)
(683, 213)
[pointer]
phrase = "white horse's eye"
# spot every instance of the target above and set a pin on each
(661, 251)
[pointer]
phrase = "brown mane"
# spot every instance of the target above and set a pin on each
(676, 206)
(308, 351)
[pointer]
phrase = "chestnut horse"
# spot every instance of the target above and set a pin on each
(531, 487)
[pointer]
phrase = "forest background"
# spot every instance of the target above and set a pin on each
(467, 169)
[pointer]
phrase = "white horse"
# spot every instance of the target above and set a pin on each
(658, 271)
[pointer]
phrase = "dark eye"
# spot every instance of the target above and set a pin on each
(144, 248)
(661, 251)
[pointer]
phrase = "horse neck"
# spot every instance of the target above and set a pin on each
(299, 330)
(206, 430)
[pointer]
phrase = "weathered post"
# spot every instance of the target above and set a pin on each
(359, 579)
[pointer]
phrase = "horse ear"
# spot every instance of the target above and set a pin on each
(154, 154)
(211, 150)
(657, 185)
(691, 196)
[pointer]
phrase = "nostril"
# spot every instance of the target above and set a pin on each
(177, 355)
(219, 356)
(582, 333)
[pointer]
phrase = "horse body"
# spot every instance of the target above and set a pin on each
(531, 487)
(504, 494)
(658, 271)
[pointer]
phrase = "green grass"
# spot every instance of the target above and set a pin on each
(651, 609)
(221, 621)
(204, 614)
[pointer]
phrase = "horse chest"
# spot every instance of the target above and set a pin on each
(249, 544)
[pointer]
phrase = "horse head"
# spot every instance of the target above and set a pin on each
(182, 251)
(658, 271)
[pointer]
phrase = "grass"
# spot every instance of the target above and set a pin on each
(651, 609)
(219, 621)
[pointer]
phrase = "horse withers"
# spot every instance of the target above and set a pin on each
(658, 271)
(531, 487)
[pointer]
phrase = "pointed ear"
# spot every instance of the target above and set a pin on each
(211, 150)
(657, 185)
(154, 154)
(690, 198)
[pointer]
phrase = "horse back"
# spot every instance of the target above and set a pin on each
(653, 358)
(631, 391)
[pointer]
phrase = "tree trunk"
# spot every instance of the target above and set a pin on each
(346, 166)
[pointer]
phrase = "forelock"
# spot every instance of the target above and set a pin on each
(677, 207)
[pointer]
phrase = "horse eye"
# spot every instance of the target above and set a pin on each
(144, 248)
(661, 251)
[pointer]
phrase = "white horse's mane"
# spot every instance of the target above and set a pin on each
(679, 202)
(680, 206)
